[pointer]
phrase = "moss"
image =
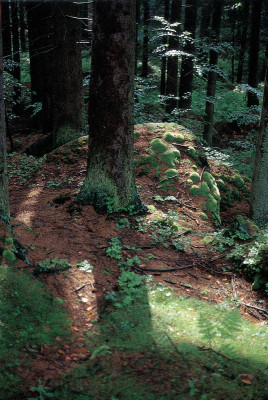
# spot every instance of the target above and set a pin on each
(221, 185)
(208, 239)
(212, 204)
(195, 177)
(8, 241)
(209, 179)
(191, 152)
(168, 137)
(195, 167)
(189, 182)
(158, 146)
(170, 156)
(204, 189)
(239, 181)
(203, 216)
(171, 173)
(179, 138)
(9, 255)
(194, 190)
(216, 194)
(226, 178)
(64, 135)
(204, 206)
(136, 134)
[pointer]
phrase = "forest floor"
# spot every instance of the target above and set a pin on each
(50, 225)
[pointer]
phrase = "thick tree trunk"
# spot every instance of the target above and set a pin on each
(259, 191)
(16, 51)
(22, 25)
(110, 172)
(66, 86)
(253, 66)
(6, 33)
(187, 64)
(138, 10)
(212, 75)
(164, 59)
(83, 11)
(4, 205)
(243, 42)
(145, 47)
(172, 62)
(206, 13)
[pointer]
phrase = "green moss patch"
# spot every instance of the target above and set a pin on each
(168, 137)
(158, 145)
(170, 156)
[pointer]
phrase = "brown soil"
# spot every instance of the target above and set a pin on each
(60, 228)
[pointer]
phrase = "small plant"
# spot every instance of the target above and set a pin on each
(115, 249)
(123, 223)
(42, 391)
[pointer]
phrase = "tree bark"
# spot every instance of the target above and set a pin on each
(253, 65)
(16, 52)
(172, 62)
(4, 204)
(22, 25)
(164, 59)
(187, 63)
(145, 47)
(138, 10)
(110, 171)
(212, 75)
(243, 42)
(259, 190)
(206, 13)
(6, 33)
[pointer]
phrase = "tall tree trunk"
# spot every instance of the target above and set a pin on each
(187, 64)
(4, 205)
(16, 51)
(259, 190)
(206, 12)
(83, 11)
(172, 62)
(212, 75)
(66, 86)
(164, 59)
(6, 33)
(145, 47)
(243, 41)
(110, 172)
(253, 65)
(233, 16)
(22, 25)
(138, 16)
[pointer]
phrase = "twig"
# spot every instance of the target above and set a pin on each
(256, 308)
(81, 287)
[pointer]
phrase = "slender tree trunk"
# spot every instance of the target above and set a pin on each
(6, 33)
(4, 205)
(110, 172)
(66, 86)
(243, 42)
(164, 59)
(22, 25)
(145, 48)
(138, 10)
(253, 66)
(234, 16)
(259, 190)
(212, 75)
(83, 11)
(187, 64)
(16, 51)
(172, 62)
(206, 12)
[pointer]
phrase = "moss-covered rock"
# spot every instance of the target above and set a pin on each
(203, 216)
(209, 179)
(239, 181)
(191, 152)
(158, 145)
(168, 137)
(195, 177)
(171, 173)
(179, 138)
(170, 156)
(221, 185)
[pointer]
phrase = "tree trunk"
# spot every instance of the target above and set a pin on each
(145, 47)
(6, 34)
(259, 190)
(22, 25)
(243, 41)
(138, 10)
(16, 52)
(164, 59)
(253, 65)
(206, 12)
(187, 64)
(110, 172)
(172, 62)
(83, 11)
(66, 85)
(212, 75)
(4, 205)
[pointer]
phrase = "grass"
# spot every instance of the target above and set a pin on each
(156, 348)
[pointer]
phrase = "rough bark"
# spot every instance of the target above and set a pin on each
(212, 75)
(4, 205)
(66, 84)
(206, 12)
(16, 52)
(164, 59)
(145, 47)
(243, 42)
(187, 64)
(259, 191)
(138, 10)
(110, 172)
(172, 62)
(253, 64)
(22, 25)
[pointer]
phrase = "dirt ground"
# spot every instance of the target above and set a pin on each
(50, 224)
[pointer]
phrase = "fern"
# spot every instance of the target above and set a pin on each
(207, 328)
(230, 324)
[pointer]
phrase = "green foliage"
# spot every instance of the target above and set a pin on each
(168, 137)
(195, 177)
(29, 318)
(42, 391)
(24, 167)
(170, 173)
(9, 255)
(170, 156)
(179, 138)
(115, 249)
(158, 146)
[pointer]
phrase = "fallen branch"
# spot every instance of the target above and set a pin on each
(81, 287)
(162, 270)
(256, 308)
